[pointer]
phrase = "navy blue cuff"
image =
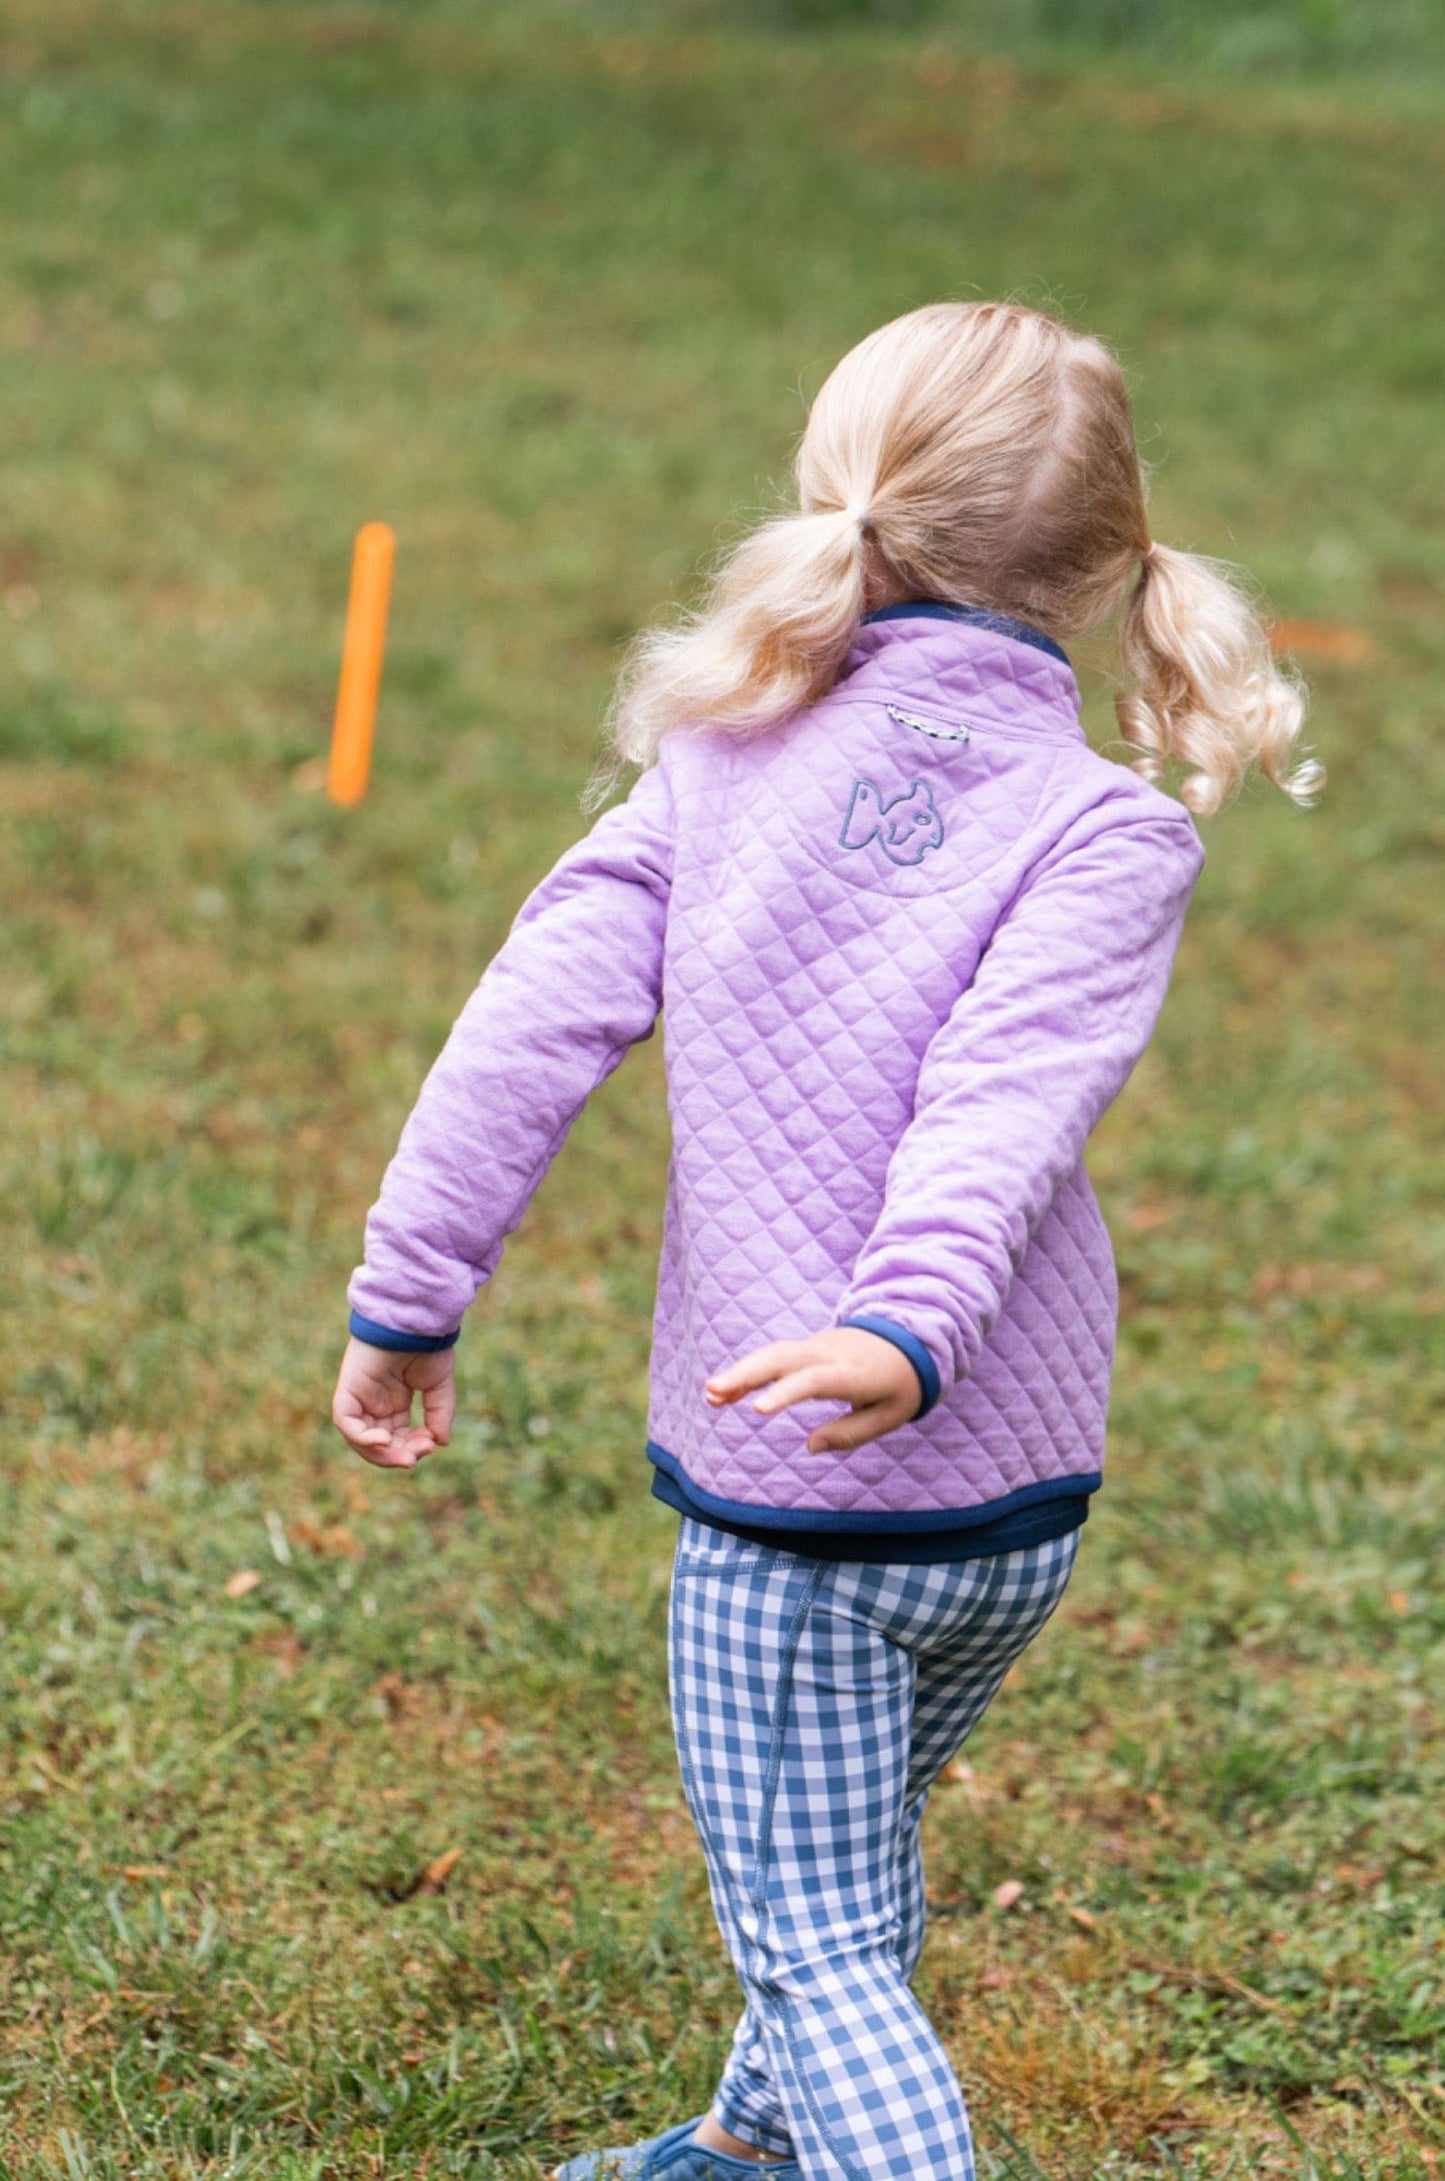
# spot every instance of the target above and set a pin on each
(915, 1351)
(385, 1336)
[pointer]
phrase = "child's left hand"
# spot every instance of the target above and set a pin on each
(876, 1379)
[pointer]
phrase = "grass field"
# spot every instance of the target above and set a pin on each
(547, 298)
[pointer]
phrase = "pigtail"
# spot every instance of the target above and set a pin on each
(770, 637)
(1208, 690)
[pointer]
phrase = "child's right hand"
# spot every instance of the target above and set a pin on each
(372, 1407)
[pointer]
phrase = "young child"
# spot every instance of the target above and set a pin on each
(910, 935)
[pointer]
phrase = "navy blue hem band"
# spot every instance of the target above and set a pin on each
(1009, 1533)
(386, 1336)
(915, 1522)
(975, 617)
(915, 1351)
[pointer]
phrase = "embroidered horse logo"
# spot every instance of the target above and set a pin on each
(905, 828)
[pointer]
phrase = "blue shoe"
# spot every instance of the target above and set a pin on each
(671, 2157)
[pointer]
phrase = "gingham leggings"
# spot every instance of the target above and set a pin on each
(815, 1702)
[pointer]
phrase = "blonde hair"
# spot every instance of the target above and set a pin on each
(980, 454)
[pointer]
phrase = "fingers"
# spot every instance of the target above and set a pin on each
(757, 1369)
(438, 1408)
(358, 1417)
(819, 1382)
(372, 1409)
(857, 1428)
(846, 1364)
(400, 1454)
(356, 1430)
(382, 1444)
(407, 1449)
(840, 1365)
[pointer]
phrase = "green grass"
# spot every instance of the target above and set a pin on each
(545, 298)
(1266, 38)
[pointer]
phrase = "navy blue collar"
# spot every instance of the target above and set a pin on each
(976, 617)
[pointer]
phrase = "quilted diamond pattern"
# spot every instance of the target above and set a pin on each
(883, 1063)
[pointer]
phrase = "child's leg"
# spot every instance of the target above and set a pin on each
(955, 1682)
(747, 2104)
(792, 1724)
(793, 1693)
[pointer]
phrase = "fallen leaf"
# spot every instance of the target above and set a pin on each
(1324, 640)
(1362, 1880)
(1399, 1602)
(1009, 1894)
(1084, 1920)
(242, 1583)
(1145, 1218)
(436, 1874)
(333, 1542)
(309, 778)
(137, 1871)
(285, 1647)
(395, 1693)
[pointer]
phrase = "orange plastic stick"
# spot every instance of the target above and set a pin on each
(361, 662)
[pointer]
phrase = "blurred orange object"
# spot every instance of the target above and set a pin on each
(361, 654)
(1323, 640)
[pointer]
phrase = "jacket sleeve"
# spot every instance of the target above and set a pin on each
(1034, 1052)
(576, 983)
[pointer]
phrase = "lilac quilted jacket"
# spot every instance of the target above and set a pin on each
(908, 947)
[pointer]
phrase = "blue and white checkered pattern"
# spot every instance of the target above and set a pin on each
(815, 1701)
